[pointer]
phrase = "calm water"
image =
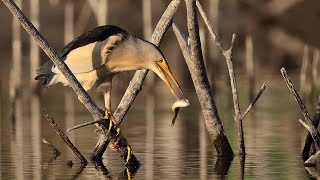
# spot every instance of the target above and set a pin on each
(273, 137)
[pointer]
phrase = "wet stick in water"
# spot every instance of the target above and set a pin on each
(56, 152)
(83, 160)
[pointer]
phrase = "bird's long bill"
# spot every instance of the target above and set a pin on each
(164, 67)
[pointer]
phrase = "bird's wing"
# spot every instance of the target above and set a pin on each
(77, 53)
(91, 56)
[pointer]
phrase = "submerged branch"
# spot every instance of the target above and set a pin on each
(56, 152)
(65, 138)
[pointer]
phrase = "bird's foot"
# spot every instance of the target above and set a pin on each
(129, 153)
(107, 113)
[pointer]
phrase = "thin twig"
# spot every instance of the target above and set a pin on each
(56, 152)
(263, 87)
(65, 138)
(211, 31)
(86, 124)
(313, 130)
(227, 53)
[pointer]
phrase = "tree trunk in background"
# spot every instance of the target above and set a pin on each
(34, 48)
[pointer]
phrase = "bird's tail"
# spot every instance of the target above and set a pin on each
(45, 74)
(45, 79)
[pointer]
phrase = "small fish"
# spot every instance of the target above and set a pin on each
(176, 106)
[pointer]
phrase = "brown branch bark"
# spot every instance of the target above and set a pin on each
(97, 113)
(313, 130)
(135, 84)
(227, 53)
(308, 143)
(197, 69)
(55, 126)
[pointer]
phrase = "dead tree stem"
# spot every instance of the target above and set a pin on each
(65, 138)
(313, 130)
(227, 53)
(97, 113)
(199, 77)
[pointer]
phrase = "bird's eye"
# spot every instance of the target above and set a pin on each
(160, 60)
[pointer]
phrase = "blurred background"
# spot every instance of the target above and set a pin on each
(270, 34)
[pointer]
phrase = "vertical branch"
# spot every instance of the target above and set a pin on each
(16, 70)
(147, 33)
(303, 71)
(250, 65)
(315, 63)
(198, 74)
(100, 10)
(34, 48)
(227, 53)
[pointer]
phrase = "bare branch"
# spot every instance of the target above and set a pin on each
(211, 31)
(313, 130)
(86, 124)
(65, 138)
(263, 87)
(198, 73)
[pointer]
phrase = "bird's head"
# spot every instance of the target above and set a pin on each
(155, 61)
(134, 53)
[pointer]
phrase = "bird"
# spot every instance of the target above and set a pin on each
(97, 55)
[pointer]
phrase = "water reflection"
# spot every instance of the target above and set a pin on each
(273, 142)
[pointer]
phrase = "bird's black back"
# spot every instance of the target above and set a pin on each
(100, 33)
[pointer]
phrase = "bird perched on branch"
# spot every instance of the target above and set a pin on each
(96, 56)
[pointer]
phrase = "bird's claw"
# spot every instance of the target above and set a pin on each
(129, 153)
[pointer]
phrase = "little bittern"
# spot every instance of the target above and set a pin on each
(96, 56)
